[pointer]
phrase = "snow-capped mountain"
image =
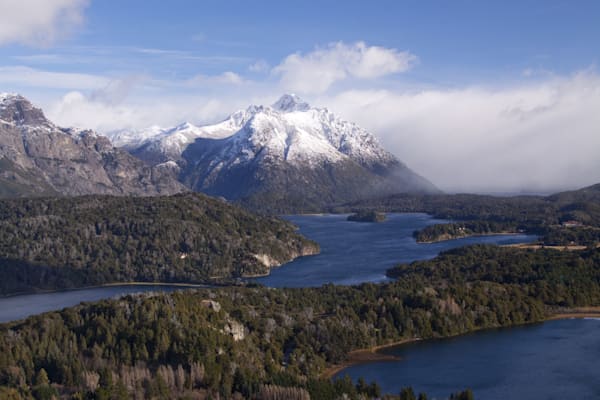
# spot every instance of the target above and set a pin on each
(37, 157)
(158, 145)
(288, 152)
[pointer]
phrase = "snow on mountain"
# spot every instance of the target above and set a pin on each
(290, 102)
(17, 110)
(4, 97)
(289, 130)
(287, 156)
(130, 138)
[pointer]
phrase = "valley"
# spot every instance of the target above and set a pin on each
(290, 301)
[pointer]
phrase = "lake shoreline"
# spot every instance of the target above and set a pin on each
(113, 284)
(366, 355)
(474, 235)
(577, 312)
(373, 354)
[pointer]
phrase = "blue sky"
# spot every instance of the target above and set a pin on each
(493, 74)
(456, 41)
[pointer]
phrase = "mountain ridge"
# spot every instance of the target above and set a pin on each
(287, 152)
(39, 158)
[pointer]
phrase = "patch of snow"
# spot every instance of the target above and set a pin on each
(168, 164)
(6, 97)
(78, 132)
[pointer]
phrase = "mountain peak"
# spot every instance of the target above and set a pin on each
(8, 96)
(17, 110)
(40, 157)
(289, 103)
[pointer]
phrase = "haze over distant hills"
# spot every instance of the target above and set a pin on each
(39, 158)
(286, 155)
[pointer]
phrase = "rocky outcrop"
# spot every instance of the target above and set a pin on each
(40, 158)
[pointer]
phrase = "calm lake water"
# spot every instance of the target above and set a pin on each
(351, 253)
(18, 307)
(357, 252)
(553, 360)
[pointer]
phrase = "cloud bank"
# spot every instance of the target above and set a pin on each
(531, 137)
(317, 71)
(39, 22)
(540, 134)
(535, 137)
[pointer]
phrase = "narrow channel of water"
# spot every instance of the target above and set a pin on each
(351, 253)
(357, 252)
(18, 307)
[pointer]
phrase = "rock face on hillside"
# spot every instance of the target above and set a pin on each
(40, 158)
(286, 156)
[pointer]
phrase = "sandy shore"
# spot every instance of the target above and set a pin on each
(361, 356)
(537, 246)
(446, 238)
(580, 312)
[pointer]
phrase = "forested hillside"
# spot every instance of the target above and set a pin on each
(71, 242)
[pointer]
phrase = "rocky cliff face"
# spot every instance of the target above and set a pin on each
(40, 158)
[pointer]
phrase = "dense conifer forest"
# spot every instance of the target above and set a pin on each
(57, 243)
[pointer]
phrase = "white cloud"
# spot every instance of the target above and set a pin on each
(35, 78)
(140, 110)
(39, 22)
(537, 135)
(316, 71)
(534, 137)
(117, 90)
(259, 66)
(227, 78)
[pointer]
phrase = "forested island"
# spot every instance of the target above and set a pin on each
(58, 243)
(367, 216)
(245, 342)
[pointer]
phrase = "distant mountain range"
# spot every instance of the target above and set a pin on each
(289, 156)
(39, 158)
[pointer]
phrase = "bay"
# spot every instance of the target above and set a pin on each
(553, 360)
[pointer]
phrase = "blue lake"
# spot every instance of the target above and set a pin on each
(18, 307)
(357, 252)
(351, 253)
(553, 360)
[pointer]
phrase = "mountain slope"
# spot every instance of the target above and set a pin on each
(289, 156)
(40, 158)
(56, 243)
